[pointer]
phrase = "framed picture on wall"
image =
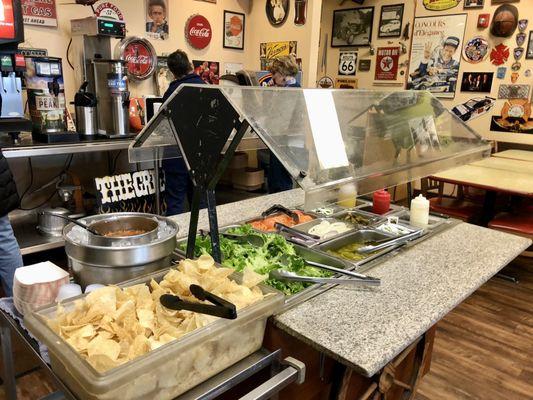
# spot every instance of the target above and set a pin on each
(474, 4)
(436, 54)
(352, 27)
(233, 30)
(390, 21)
(529, 53)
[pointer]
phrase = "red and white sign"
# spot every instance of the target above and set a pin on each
(110, 11)
(7, 20)
(387, 63)
(141, 57)
(39, 12)
(198, 31)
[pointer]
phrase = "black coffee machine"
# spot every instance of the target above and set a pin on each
(12, 67)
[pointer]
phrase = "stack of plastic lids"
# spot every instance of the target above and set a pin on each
(37, 285)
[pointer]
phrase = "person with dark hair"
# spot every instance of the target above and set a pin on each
(10, 257)
(284, 70)
(157, 11)
(178, 184)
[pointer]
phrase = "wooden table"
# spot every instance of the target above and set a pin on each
(495, 175)
(523, 155)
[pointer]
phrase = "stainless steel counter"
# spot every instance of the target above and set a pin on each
(29, 148)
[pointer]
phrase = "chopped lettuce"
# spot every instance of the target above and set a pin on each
(275, 253)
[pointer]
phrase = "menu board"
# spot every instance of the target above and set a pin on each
(7, 20)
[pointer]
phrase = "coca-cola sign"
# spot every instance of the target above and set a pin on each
(198, 31)
(140, 56)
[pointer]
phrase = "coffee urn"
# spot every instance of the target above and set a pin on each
(85, 106)
(113, 96)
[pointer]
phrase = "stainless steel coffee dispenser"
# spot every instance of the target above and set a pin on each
(113, 96)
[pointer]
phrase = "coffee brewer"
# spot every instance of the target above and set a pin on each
(107, 79)
(12, 66)
(113, 97)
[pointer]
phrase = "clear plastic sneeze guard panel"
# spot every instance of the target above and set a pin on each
(365, 139)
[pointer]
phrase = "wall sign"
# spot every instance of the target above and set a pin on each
(364, 65)
(500, 54)
(347, 62)
(390, 21)
(529, 52)
(157, 19)
(269, 51)
(440, 5)
(483, 21)
(27, 52)
(476, 50)
(109, 10)
(515, 117)
(477, 82)
(473, 4)
(209, 71)
(277, 11)
(513, 91)
(344, 83)
(387, 63)
(352, 27)
(325, 82)
(198, 31)
(132, 191)
(234, 30)
(140, 55)
(436, 54)
(38, 12)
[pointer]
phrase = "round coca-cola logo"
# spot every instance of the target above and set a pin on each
(198, 31)
(140, 56)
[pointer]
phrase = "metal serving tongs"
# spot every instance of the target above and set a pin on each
(283, 275)
(305, 239)
(220, 308)
(398, 241)
(254, 240)
(278, 208)
(358, 279)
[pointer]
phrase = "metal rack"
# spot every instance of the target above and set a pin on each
(282, 371)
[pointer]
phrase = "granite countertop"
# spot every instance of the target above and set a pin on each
(366, 328)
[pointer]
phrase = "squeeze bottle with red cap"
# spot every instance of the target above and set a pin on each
(381, 200)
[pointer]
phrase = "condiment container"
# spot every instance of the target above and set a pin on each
(347, 196)
(419, 212)
(381, 202)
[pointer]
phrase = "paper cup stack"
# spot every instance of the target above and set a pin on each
(37, 285)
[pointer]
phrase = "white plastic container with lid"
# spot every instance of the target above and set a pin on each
(419, 212)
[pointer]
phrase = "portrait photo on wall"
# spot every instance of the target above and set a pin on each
(436, 54)
(209, 71)
(157, 19)
(277, 11)
(233, 30)
(477, 82)
(474, 3)
(352, 27)
(390, 21)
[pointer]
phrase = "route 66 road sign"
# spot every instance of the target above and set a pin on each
(347, 62)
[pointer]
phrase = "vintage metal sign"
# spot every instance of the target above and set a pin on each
(198, 31)
(387, 63)
(440, 5)
(347, 62)
(109, 10)
(140, 55)
(39, 12)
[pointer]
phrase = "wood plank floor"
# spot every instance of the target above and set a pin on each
(483, 349)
